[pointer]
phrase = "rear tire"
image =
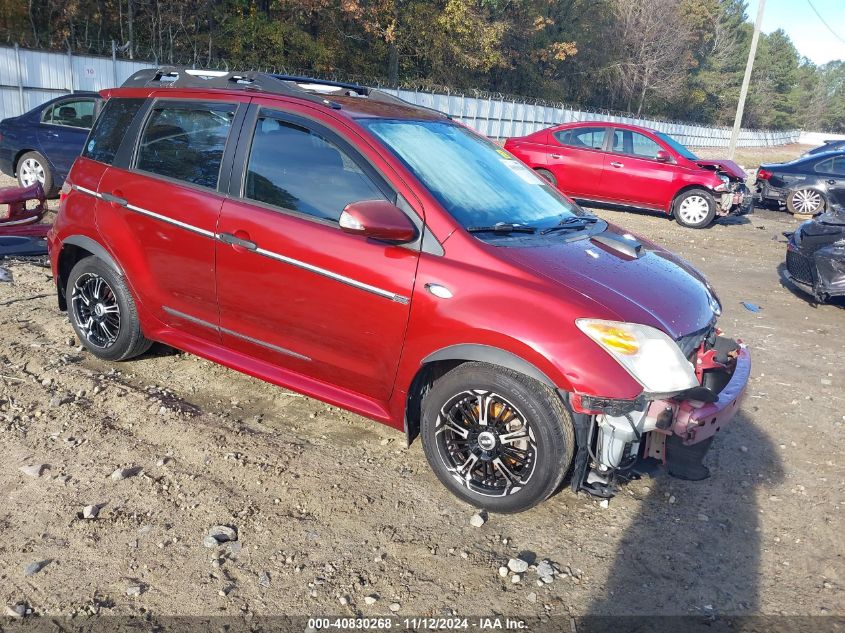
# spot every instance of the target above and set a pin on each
(510, 457)
(694, 208)
(102, 311)
(805, 202)
(547, 175)
(33, 167)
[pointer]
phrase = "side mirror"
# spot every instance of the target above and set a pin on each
(663, 156)
(378, 220)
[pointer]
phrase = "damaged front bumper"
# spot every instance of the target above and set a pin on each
(815, 257)
(737, 201)
(618, 438)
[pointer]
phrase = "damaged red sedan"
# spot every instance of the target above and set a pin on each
(337, 241)
(628, 165)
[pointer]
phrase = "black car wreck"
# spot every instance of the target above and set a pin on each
(815, 255)
(804, 185)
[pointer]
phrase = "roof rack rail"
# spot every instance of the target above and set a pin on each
(364, 91)
(173, 77)
(288, 85)
(299, 79)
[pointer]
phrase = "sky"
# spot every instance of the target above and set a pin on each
(809, 34)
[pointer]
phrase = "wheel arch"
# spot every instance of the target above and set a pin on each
(443, 360)
(18, 156)
(74, 249)
(683, 190)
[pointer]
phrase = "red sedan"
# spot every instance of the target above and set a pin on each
(628, 165)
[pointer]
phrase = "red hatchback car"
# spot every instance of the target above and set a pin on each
(342, 243)
(633, 166)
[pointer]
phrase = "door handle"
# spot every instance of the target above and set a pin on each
(555, 155)
(616, 164)
(114, 199)
(831, 182)
(239, 242)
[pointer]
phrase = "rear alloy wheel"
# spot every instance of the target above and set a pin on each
(695, 208)
(805, 202)
(547, 175)
(496, 438)
(102, 311)
(32, 168)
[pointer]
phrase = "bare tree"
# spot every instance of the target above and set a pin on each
(653, 40)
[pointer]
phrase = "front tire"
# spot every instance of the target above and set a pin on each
(805, 202)
(695, 208)
(496, 438)
(32, 168)
(102, 311)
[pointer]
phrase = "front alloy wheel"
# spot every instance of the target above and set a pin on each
(495, 437)
(486, 443)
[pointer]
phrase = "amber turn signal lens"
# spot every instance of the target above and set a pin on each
(616, 338)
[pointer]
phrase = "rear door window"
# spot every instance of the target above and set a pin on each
(108, 132)
(583, 137)
(186, 141)
(833, 166)
(293, 167)
(79, 113)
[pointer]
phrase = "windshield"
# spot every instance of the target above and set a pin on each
(675, 145)
(477, 182)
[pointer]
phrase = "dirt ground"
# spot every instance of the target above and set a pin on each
(331, 508)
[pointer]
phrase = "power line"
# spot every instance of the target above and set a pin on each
(819, 15)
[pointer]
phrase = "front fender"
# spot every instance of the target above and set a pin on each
(512, 318)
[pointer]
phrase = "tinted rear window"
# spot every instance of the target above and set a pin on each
(186, 141)
(109, 129)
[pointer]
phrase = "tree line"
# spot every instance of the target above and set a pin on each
(678, 59)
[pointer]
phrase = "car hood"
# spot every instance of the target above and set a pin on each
(727, 166)
(656, 288)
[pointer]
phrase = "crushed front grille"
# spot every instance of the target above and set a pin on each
(799, 267)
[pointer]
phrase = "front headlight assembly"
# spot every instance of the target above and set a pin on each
(649, 355)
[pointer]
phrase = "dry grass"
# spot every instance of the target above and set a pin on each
(752, 157)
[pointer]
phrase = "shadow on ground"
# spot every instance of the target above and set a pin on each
(698, 556)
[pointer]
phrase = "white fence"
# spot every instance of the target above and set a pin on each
(29, 77)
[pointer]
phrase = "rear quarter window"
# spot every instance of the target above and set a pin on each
(109, 129)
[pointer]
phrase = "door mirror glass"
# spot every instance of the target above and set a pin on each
(379, 220)
(663, 156)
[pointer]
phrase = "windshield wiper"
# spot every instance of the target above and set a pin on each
(573, 223)
(503, 228)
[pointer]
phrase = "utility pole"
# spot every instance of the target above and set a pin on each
(740, 108)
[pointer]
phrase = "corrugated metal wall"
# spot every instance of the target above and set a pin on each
(28, 78)
(502, 119)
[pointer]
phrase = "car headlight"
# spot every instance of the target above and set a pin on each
(726, 183)
(649, 355)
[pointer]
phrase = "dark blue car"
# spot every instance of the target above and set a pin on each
(42, 144)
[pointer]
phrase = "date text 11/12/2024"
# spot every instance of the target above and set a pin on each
(417, 623)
